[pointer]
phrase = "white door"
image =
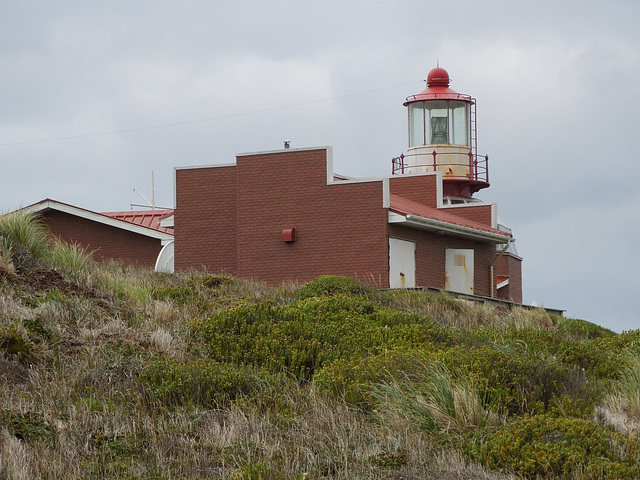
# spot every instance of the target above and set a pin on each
(402, 263)
(459, 270)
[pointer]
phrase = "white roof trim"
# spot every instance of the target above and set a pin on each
(167, 222)
(198, 167)
(97, 217)
(283, 150)
(438, 226)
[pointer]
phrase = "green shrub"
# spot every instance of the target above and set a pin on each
(627, 341)
(389, 459)
(519, 382)
(298, 339)
(12, 343)
(259, 471)
(578, 330)
(182, 295)
(216, 281)
(330, 285)
(352, 379)
(597, 357)
(521, 341)
(306, 335)
(37, 329)
(125, 445)
(201, 382)
(204, 293)
(549, 447)
(26, 426)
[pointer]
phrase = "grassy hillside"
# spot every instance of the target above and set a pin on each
(113, 372)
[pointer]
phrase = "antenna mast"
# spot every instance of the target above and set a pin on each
(151, 203)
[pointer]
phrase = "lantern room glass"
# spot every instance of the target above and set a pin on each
(439, 122)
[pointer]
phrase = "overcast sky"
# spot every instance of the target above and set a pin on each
(94, 96)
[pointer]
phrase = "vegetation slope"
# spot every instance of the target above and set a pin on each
(113, 372)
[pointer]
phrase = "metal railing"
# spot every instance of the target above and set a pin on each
(478, 166)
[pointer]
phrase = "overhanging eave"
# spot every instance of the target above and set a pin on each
(446, 228)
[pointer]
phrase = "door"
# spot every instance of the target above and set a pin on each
(402, 263)
(459, 270)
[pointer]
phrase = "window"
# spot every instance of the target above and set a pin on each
(439, 122)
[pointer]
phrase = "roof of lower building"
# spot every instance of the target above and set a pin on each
(417, 215)
(143, 222)
(144, 218)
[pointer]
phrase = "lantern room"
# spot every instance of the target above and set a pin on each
(442, 137)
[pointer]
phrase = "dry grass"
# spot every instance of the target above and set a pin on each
(107, 427)
(621, 408)
(320, 437)
(16, 459)
(6, 253)
(465, 314)
(433, 401)
(72, 405)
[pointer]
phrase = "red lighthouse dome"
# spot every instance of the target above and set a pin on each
(442, 137)
(438, 89)
(438, 77)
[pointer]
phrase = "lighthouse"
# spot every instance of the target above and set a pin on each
(419, 228)
(443, 138)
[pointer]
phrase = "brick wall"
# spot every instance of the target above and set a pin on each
(231, 219)
(205, 219)
(430, 257)
(480, 213)
(430, 247)
(106, 241)
(421, 188)
(340, 228)
(511, 266)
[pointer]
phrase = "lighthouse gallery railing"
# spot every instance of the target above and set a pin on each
(478, 165)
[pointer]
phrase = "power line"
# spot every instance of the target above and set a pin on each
(201, 120)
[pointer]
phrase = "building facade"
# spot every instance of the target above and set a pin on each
(132, 237)
(286, 216)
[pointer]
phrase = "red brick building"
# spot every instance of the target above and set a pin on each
(132, 237)
(285, 216)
